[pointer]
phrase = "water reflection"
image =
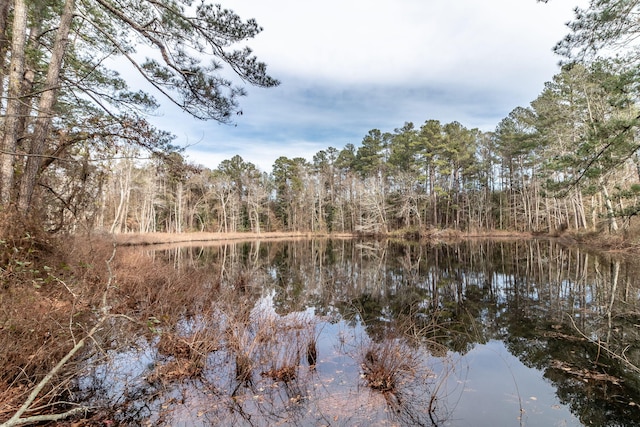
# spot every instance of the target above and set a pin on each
(476, 333)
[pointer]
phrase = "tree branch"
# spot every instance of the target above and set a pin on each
(17, 419)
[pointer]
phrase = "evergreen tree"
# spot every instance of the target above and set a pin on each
(58, 51)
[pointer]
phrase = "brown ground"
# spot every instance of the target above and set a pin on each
(132, 239)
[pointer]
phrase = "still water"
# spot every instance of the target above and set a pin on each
(347, 332)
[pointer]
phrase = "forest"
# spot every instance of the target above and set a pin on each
(79, 155)
(542, 170)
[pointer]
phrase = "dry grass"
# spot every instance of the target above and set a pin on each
(43, 284)
(176, 370)
(53, 290)
(270, 346)
(46, 300)
(284, 374)
(131, 239)
(451, 234)
(156, 290)
(387, 365)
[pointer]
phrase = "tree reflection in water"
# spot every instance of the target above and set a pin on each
(321, 318)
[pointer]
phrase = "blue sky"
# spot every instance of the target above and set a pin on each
(348, 66)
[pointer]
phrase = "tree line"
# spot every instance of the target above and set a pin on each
(569, 160)
(73, 133)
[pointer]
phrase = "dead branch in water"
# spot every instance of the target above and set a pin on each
(17, 419)
(601, 346)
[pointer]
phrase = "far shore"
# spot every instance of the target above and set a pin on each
(133, 239)
(141, 239)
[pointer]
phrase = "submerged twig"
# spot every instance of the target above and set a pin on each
(611, 353)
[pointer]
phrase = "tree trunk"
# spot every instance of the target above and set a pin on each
(26, 101)
(124, 183)
(45, 108)
(178, 206)
(16, 72)
(4, 40)
(613, 224)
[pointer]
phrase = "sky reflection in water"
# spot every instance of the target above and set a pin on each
(486, 328)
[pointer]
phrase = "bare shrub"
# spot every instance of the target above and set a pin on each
(284, 374)
(312, 352)
(46, 304)
(266, 344)
(387, 365)
(187, 355)
(55, 288)
(154, 289)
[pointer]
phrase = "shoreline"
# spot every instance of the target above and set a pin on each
(159, 238)
(148, 239)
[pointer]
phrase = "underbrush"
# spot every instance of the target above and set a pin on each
(57, 292)
(68, 304)
(196, 328)
(45, 301)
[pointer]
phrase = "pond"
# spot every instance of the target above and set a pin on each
(378, 332)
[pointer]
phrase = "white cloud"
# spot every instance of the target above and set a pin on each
(348, 66)
(358, 41)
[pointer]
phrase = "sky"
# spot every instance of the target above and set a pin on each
(349, 66)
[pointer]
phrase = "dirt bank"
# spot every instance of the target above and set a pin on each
(131, 239)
